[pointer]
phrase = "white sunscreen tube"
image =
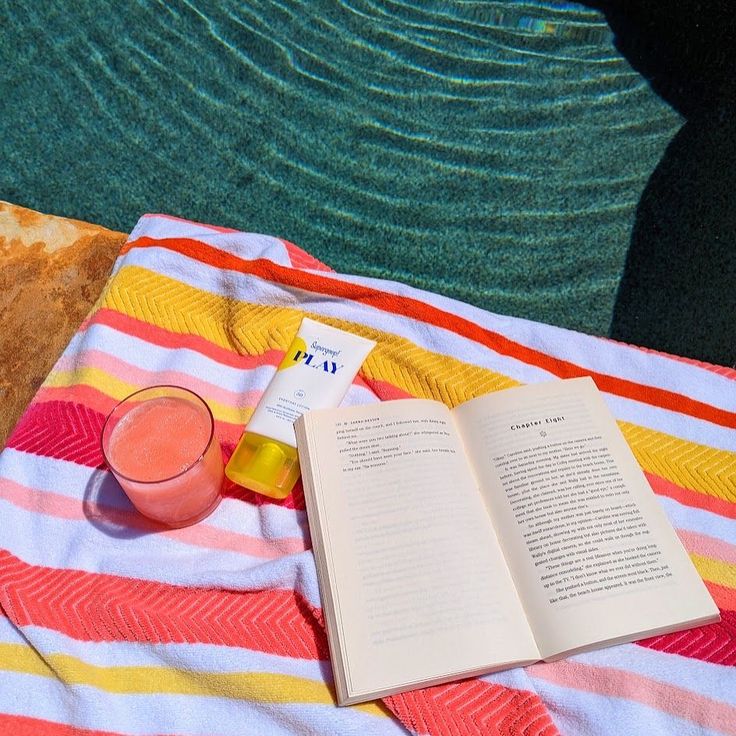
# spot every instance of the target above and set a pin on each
(315, 373)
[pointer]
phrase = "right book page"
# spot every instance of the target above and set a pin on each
(593, 555)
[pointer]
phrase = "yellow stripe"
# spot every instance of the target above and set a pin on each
(94, 377)
(22, 658)
(251, 686)
(253, 329)
(715, 571)
(687, 464)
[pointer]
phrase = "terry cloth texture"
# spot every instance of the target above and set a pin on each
(111, 625)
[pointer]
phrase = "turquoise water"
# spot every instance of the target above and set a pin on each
(491, 151)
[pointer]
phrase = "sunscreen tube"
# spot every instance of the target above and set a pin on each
(315, 373)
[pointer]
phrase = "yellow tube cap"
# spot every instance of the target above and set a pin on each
(264, 465)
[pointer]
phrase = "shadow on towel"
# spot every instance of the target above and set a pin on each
(108, 509)
(677, 292)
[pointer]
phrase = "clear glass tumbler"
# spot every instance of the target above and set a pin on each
(160, 445)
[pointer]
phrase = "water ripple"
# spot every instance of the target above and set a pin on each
(493, 151)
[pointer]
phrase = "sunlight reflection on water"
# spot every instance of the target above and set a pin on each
(491, 151)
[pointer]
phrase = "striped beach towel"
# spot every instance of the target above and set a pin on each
(110, 625)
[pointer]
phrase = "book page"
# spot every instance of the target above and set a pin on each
(411, 573)
(593, 555)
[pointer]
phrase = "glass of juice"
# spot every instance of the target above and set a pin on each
(160, 445)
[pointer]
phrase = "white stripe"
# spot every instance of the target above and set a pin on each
(699, 521)
(669, 422)
(151, 357)
(10, 634)
(589, 351)
(199, 657)
(515, 678)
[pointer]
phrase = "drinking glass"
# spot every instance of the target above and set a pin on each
(160, 445)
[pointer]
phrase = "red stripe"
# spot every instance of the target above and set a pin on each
(472, 707)
(68, 428)
(100, 607)
(694, 499)
(95, 400)
(724, 597)
(429, 314)
(26, 726)
(386, 391)
(298, 257)
(62, 430)
(715, 643)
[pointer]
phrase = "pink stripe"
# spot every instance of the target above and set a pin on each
(129, 373)
(702, 544)
(162, 337)
(49, 504)
(199, 535)
(670, 699)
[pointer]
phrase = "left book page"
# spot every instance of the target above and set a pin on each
(414, 585)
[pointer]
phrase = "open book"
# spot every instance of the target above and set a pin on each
(517, 527)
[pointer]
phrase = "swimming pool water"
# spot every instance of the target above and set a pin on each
(491, 151)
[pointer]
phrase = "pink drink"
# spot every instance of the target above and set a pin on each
(160, 445)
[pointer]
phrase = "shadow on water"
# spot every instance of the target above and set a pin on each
(678, 290)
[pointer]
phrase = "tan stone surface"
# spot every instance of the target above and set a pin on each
(52, 269)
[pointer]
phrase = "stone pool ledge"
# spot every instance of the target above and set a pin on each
(52, 269)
